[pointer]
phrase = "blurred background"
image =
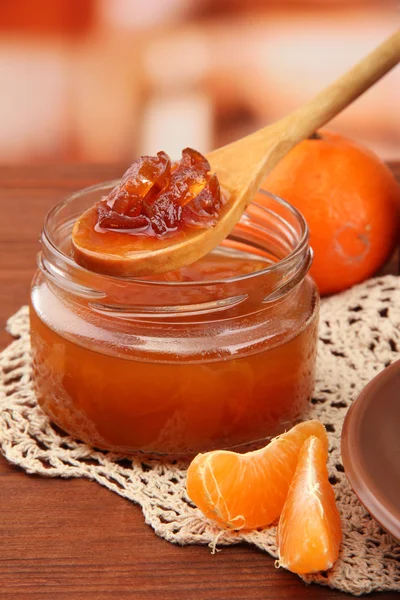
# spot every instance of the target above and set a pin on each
(107, 80)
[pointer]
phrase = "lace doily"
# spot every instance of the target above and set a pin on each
(359, 336)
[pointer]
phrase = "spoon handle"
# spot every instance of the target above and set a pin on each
(333, 99)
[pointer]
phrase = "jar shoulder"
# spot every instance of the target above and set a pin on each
(229, 333)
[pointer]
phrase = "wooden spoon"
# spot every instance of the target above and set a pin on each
(241, 168)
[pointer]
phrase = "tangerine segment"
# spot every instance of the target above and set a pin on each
(246, 491)
(309, 531)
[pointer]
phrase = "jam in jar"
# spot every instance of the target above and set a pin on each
(216, 355)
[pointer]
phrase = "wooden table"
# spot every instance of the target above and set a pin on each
(74, 539)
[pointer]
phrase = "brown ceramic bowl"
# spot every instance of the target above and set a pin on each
(371, 448)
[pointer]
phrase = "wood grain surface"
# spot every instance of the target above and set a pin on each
(73, 539)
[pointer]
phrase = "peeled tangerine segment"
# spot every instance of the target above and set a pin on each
(246, 491)
(164, 214)
(146, 173)
(193, 158)
(309, 532)
(111, 219)
(187, 183)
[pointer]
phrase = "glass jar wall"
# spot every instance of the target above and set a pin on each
(216, 355)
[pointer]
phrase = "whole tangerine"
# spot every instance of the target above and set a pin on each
(351, 202)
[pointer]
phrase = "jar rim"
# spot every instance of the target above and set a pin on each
(297, 251)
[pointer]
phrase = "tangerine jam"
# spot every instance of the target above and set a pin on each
(155, 200)
(216, 355)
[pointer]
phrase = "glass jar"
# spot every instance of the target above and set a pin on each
(173, 365)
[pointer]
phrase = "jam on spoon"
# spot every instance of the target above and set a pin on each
(158, 198)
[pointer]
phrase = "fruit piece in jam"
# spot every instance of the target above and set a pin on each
(158, 198)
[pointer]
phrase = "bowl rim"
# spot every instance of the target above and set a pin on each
(369, 494)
